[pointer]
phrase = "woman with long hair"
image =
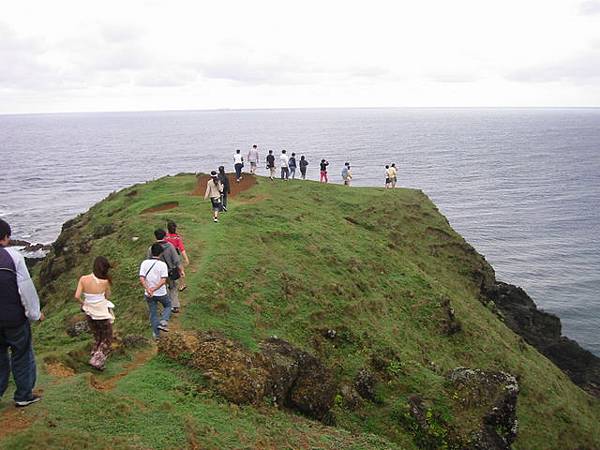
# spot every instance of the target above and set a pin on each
(95, 289)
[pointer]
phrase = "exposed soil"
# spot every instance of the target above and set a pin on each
(161, 207)
(59, 370)
(246, 183)
(13, 420)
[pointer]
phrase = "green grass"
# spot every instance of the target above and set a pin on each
(291, 260)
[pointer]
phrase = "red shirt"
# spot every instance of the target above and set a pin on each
(175, 240)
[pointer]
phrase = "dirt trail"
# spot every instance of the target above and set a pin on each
(246, 183)
(13, 420)
(139, 359)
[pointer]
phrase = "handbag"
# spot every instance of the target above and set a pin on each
(174, 274)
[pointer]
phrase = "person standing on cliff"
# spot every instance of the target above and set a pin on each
(173, 262)
(154, 274)
(238, 164)
(292, 165)
(253, 159)
(271, 164)
(346, 174)
(19, 304)
(303, 164)
(393, 175)
(388, 177)
(284, 163)
(323, 166)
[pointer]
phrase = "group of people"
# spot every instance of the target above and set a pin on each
(391, 176)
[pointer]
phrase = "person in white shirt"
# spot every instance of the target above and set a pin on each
(283, 162)
(388, 177)
(394, 175)
(253, 159)
(19, 305)
(153, 276)
(238, 163)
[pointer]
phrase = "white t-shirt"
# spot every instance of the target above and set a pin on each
(283, 159)
(154, 270)
(238, 158)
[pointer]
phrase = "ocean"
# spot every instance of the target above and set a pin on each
(521, 185)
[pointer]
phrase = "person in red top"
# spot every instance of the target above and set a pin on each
(177, 241)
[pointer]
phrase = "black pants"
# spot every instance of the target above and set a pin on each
(224, 199)
(238, 170)
(285, 173)
(21, 360)
(303, 171)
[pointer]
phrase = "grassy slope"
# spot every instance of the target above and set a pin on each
(290, 260)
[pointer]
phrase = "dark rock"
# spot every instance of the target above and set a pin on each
(281, 372)
(103, 230)
(78, 328)
(350, 397)
(542, 330)
(450, 324)
(134, 341)
(493, 393)
(364, 383)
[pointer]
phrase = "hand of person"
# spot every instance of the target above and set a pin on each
(150, 291)
(42, 317)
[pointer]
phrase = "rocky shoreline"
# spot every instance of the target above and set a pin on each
(33, 253)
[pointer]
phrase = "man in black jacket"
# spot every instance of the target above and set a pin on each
(226, 188)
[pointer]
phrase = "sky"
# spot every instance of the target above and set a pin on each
(68, 56)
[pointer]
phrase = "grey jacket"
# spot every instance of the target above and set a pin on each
(169, 256)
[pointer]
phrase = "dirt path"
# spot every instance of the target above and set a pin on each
(246, 183)
(13, 420)
(139, 359)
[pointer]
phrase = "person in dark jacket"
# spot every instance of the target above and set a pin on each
(271, 164)
(19, 304)
(303, 164)
(292, 165)
(323, 166)
(226, 187)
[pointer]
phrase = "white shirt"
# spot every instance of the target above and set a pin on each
(29, 296)
(253, 155)
(154, 270)
(238, 158)
(283, 160)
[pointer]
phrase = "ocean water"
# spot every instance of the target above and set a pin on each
(521, 185)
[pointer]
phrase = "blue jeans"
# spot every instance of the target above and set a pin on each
(153, 302)
(21, 361)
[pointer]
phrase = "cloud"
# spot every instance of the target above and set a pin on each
(589, 8)
(581, 69)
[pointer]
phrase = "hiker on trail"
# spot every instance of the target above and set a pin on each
(226, 188)
(253, 159)
(292, 166)
(283, 161)
(303, 164)
(214, 189)
(95, 288)
(388, 177)
(153, 276)
(175, 268)
(271, 164)
(19, 304)
(238, 163)
(346, 174)
(177, 241)
(394, 174)
(324, 165)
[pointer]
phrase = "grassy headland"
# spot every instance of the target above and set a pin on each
(292, 260)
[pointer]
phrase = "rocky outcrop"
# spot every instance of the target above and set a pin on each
(280, 372)
(542, 330)
(484, 412)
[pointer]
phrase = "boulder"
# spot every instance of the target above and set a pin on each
(364, 383)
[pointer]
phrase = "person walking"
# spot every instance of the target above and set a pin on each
(283, 162)
(98, 310)
(292, 165)
(177, 241)
(238, 163)
(394, 175)
(226, 187)
(214, 189)
(346, 174)
(388, 177)
(154, 274)
(323, 167)
(271, 164)
(171, 258)
(253, 159)
(303, 164)
(19, 304)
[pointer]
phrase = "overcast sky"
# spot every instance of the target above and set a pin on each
(158, 55)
